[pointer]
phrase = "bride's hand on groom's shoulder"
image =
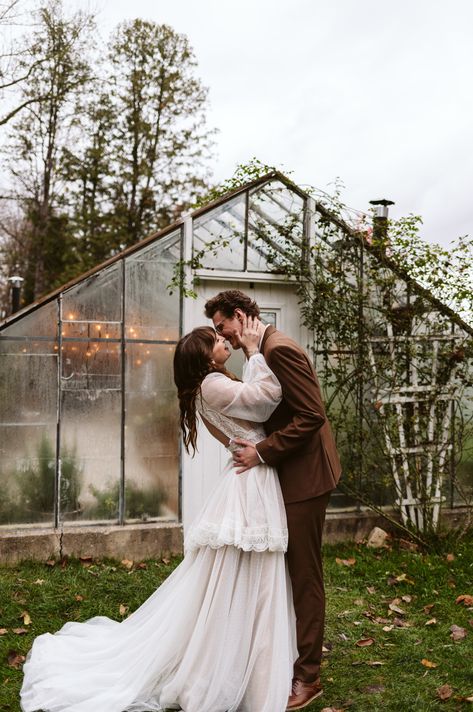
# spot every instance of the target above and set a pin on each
(249, 337)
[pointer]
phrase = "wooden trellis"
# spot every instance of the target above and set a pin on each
(417, 424)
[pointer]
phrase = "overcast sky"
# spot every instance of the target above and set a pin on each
(378, 93)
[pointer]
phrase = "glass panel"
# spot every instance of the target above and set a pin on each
(91, 398)
(220, 234)
(150, 311)
(90, 454)
(42, 322)
(270, 317)
(275, 227)
(92, 364)
(97, 298)
(28, 397)
(152, 433)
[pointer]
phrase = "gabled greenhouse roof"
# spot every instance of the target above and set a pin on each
(227, 197)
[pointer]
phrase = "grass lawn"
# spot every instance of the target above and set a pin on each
(388, 640)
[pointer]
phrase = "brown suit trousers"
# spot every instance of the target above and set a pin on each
(301, 446)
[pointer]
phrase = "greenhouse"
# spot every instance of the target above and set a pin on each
(88, 410)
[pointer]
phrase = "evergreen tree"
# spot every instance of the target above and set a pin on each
(160, 142)
(56, 58)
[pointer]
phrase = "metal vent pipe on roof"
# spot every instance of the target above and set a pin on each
(380, 220)
(16, 283)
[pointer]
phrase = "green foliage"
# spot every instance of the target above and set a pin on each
(111, 146)
(244, 173)
(386, 675)
(30, 495)
(392, 368)
(140, 503)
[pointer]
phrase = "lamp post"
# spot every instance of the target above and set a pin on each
(16, 283)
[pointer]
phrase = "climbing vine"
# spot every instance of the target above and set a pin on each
(388, 317)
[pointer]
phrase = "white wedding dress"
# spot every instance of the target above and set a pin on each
(219, 634)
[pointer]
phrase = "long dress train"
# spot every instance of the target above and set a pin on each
(219, 634)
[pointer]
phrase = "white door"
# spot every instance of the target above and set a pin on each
(279, 306)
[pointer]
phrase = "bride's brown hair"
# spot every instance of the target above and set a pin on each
(192, 363)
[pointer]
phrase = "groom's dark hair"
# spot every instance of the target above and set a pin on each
(226, 303)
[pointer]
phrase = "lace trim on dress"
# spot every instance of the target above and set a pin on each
(228, 533)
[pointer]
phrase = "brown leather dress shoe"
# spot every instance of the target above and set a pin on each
(303, 693)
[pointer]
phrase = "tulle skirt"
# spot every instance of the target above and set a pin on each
(217, 636)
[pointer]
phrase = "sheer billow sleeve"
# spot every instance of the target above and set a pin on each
(253, 399)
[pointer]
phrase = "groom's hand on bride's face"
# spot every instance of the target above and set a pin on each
(246, 457)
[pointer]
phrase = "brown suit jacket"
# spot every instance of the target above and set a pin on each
(300, 443)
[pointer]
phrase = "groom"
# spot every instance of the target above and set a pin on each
(301, 446)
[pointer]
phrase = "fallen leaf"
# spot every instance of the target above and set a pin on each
(78, 597)
(332, 709)
(39, 582)
(381, 621)
(404, 577)
(346, 562)
(50, 562)
(387, 628)
(429, 607)
(466, 599)
(375, 663)
(408, 545)
(371, 590)
(432, 621)
(3, 631)
(449, 557)
(86, 561)
(165, 560)
(399, 623)
(26, 617)
(451, 584)
(20, 631)
(406, 599)
(123, 609)
(15, 659)
(393, 607)
(364, 642)
(342, 636)
(358, 602)
(457, 633)
(428, 664)
(142, 565)
(127, 563)
(444, 692)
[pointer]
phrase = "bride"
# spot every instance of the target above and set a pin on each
(219, 634)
